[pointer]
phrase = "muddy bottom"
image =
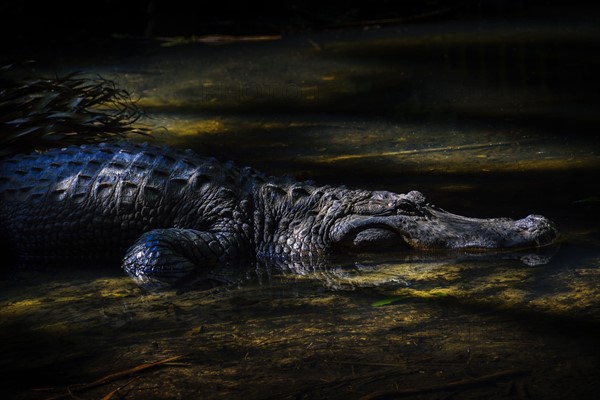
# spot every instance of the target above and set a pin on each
(445, 329)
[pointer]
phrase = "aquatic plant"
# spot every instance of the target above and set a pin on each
(37, 113)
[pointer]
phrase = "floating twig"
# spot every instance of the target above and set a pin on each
(114, 377)
(413, 152)
(117, 390)
(205, 39)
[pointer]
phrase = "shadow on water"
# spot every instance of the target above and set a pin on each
(487, 119)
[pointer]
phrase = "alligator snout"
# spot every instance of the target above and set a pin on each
(539, 229)
(451, 231)
(423, 226)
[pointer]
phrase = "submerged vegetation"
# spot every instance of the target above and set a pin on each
(37, 113)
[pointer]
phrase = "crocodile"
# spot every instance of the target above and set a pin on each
(165, 213)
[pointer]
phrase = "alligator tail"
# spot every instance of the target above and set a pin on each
(38, 113)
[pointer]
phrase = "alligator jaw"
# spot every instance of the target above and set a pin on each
(439, 230)
(450, 231)
(379, 236)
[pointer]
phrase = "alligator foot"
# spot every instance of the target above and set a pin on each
(167, 255)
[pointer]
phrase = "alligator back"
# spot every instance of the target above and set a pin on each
(91, 202)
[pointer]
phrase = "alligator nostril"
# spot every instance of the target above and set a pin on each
(535, 222)
(536, 217)
(540, 221)
(541, 227)
(532, 220)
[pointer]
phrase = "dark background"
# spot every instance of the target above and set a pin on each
(35, 24)
(565, 70)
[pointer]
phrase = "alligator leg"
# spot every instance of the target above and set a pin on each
(170, 254)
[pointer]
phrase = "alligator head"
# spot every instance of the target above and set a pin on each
(342, 221)
(390, 220)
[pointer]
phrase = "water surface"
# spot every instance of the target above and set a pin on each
(481, 126)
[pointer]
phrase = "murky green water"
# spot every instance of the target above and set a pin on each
(399, 109)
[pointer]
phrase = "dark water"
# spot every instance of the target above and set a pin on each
(498, 123)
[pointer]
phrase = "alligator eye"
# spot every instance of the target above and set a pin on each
(408, 208)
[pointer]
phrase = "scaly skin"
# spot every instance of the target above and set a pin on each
(167, 213)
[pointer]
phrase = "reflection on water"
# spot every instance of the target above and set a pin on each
(427, 108)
